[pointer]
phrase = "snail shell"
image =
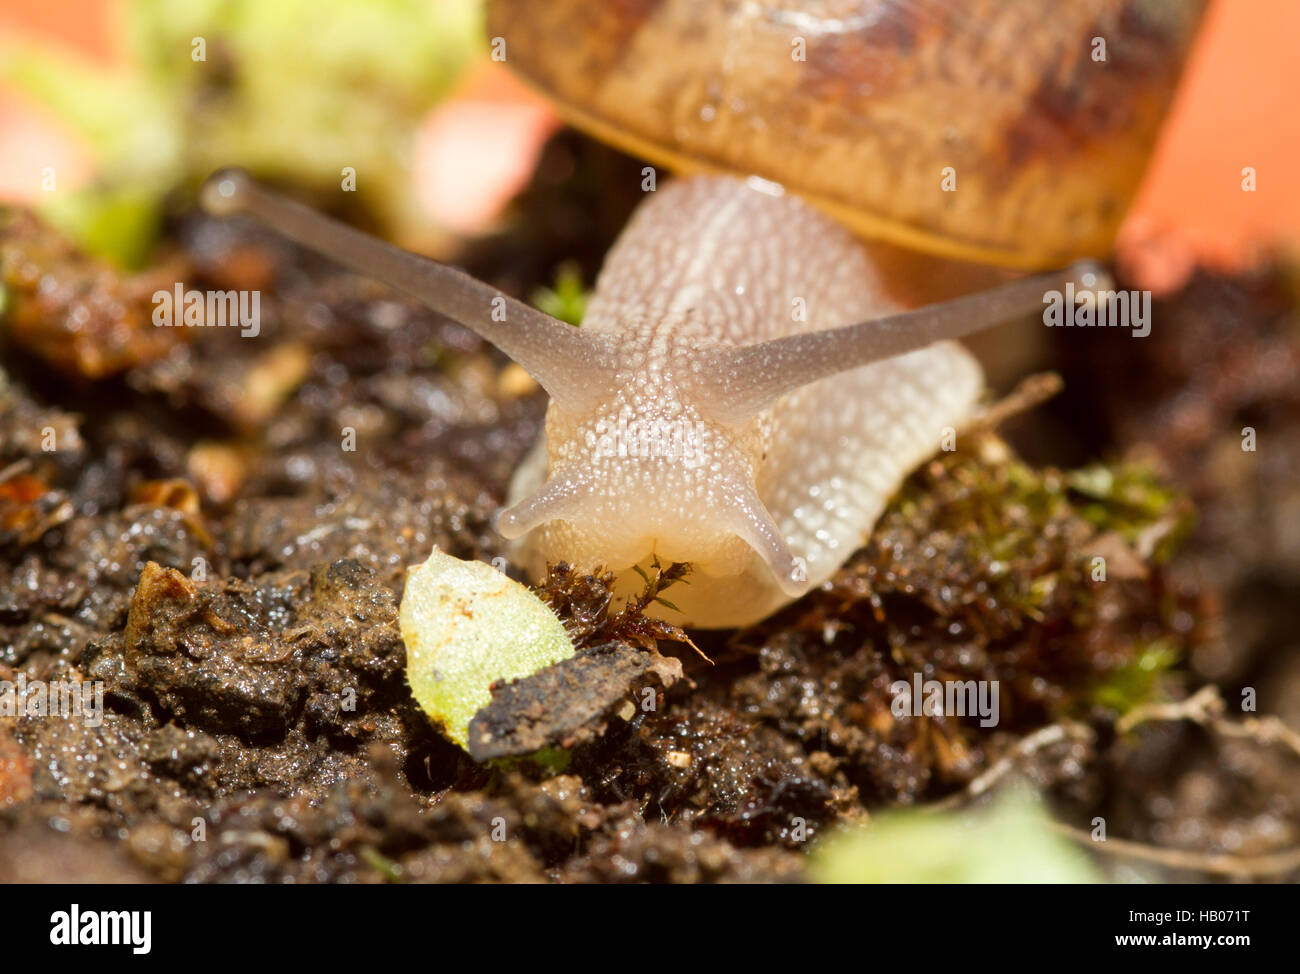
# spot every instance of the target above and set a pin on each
(862, 106)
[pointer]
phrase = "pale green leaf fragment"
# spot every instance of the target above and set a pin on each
(1012, 842)
(466, 626)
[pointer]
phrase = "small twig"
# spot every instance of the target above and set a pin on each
(1026, 746)
(702, 654)
(55, 619)
(1195, 708)
(1206, 709)
(15, 468)
(1218, 863)
(1032, 391)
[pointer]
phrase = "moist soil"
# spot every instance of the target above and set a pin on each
(217, 529)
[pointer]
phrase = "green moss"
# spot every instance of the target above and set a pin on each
(1005, 520)
(1131, 500)
(1138, 681)
(1014, 522)
(549, 760)
(982, 569)
(567, 301)
(388, 868)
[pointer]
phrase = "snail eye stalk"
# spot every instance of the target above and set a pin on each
(751, 378)
(569, 364)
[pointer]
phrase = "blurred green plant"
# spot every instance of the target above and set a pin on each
(1011, 842)
(282, 89)
(1131, 499)
(567, 301)
(1139, 680)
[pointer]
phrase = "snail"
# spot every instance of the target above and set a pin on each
(743, 394)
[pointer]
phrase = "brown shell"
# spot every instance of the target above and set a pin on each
(1047, 144)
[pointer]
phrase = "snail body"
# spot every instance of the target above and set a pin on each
(744, 394)
(763, 505)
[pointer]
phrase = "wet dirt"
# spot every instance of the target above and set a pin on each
(216, 529)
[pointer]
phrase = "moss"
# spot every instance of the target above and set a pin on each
(979, 569)
(548, 761)
(1139, 680)
(1131, 500)
(567, 300)
(1025, 535)
(584, 602)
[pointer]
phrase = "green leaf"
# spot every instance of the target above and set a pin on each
(467, 626)
(1012, 842)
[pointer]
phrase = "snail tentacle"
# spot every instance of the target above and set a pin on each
(559, 497)
(752, 377)
(570, 364)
